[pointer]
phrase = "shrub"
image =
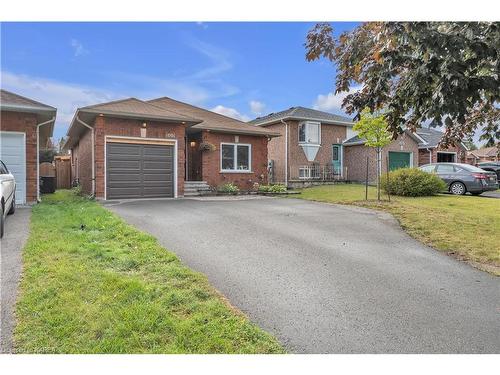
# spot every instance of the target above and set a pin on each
(277, 188)
(228, 188)
(412, 182)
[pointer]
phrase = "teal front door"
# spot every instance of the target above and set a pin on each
(399, 160)
(337, 159)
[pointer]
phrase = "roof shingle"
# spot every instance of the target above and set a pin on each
(8, 98)
(301, 113)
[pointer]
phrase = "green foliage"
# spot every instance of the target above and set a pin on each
(94, 284)
(276, 188)
(373, 128)
(412, 182)
(228, 188)
(437, 72)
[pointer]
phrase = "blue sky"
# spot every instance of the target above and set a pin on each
(240, 69)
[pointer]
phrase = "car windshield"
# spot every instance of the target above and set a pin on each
(471, 168)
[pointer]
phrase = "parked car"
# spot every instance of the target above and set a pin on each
(463, 178)
(492, 166)
(7, 195)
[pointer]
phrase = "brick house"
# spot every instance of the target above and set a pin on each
(402, 152)
(138, 149)
(310, 146)
(429, 150)
(25, 128)
(484, 154)
(319, 146)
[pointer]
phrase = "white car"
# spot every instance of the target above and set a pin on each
(7, 194)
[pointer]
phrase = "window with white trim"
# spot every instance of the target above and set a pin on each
(310, 132)
(235, 157)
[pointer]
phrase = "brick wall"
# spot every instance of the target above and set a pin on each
(26, 123)
(211, 161)
(425, 158)
(276, 152)
(104, 126)
(355, 158)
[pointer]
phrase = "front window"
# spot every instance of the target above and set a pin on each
(235, 157)
(310, 132)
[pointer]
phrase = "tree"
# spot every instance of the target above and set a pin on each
(420, 72)
(373, 128)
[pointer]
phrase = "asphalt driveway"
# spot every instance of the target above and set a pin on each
(11, 245)
(327, 278)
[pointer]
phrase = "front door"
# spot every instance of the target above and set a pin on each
(337, 159)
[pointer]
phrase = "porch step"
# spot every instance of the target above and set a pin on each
(195, 188)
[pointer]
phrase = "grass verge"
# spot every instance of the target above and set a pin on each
(464, 226)
(94, 284)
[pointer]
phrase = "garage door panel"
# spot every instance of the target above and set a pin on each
(139, 171)
(13, 154)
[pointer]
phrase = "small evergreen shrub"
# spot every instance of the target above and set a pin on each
(412, 182)
(277, 188)
(228, 188)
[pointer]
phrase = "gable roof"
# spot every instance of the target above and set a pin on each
(17, 103)
(431, 138)
(356, 140)
(302, 113)
(485, 152)
(136, 108)
(211, 120)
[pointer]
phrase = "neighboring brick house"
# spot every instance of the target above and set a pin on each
(25, 128)
(136, 149)
(484, 154)
(402, 152)
(429, 150)
(310, 146)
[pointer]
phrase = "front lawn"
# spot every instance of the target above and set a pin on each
(466, 226)
(94, 284)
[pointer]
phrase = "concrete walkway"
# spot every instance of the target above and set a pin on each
(11, 245)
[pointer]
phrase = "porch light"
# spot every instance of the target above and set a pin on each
(144, 124)
(192, 143)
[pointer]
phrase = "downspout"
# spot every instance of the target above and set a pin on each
(286, 152)
(430, 155)
(38, 155)
(93, 151)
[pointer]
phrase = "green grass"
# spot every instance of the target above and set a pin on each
(109, 288)
(466, 226)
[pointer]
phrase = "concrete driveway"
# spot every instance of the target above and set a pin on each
(326, 278)
(11, 245)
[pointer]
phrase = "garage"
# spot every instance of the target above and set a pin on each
(13, 154)
(140, 170)
(399, 160)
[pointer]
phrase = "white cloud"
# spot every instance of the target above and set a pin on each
(66, 97)
(331, 102)
(257, 107)
(230, 112)
(218, 57)
(78, 48)
(203, 25)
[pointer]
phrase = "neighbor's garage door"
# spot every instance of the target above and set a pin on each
(399, 160)
(139, 171)
(13, 154)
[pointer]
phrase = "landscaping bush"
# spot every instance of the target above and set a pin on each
(412, 182)
(277, 188)
(228, 188)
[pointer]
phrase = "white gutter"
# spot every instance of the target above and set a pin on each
(93, 151)
(286, 152)
(430, 155)
(38, 155)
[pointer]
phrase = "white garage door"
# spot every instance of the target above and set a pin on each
(13, 154)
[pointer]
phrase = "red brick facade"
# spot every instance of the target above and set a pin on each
(110, 126)
(210, 160)
(426, 156)
(355, 158)
(25, 123)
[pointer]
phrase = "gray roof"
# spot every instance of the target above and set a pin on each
(354, 141)
(10, 100)
(430, 136)
(302, 113)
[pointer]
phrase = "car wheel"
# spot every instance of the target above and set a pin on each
(1, 221)
(12, 206)
(457, 188)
